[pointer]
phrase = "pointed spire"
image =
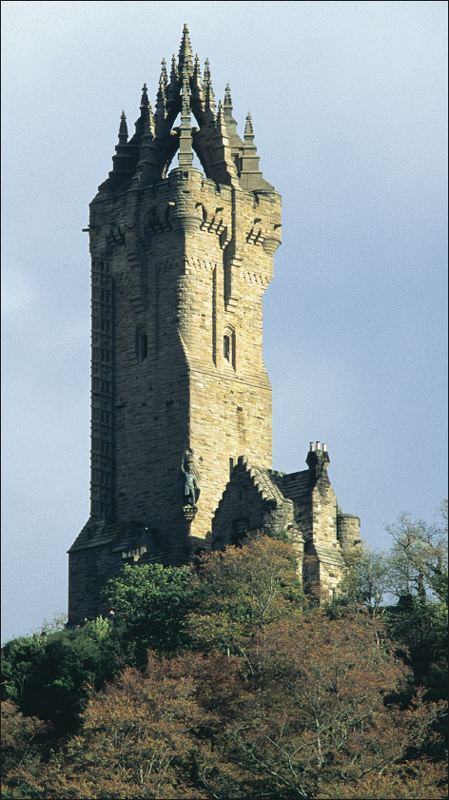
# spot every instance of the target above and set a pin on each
(227, 105)
(174, 70)
(209, 97)
(123, 130)
(140, 123)
(163, 79)
(249, 132)
(161, 99)
(222, 165)
(121, 160)
(144, 98)
(251, 177)
(197, 70)
(172, 89)
(144, 105)
(221, 125)
(185, 54)
(197, 86)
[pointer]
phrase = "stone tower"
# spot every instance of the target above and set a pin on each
(180, 262)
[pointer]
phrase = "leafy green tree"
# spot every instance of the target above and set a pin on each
(48, 676)
(150, 605)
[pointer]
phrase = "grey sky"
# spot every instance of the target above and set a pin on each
(349, 107)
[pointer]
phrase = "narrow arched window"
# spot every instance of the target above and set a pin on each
(227, 347)
(141, 342)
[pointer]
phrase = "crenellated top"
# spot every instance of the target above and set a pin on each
(145, 159)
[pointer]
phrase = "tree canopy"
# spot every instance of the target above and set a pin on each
(221, 680)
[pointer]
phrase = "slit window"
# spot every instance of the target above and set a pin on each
(227, 347)
(141, 345)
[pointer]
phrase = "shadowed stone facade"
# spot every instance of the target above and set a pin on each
(180, 262)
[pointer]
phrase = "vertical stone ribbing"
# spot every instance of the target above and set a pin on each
(214, 316)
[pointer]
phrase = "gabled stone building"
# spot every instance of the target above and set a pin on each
(180, 262)
(300, 506)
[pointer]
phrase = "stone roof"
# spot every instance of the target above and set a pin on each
(294, 486)
(97, 534)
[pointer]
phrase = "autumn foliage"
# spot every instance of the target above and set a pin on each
(253, 694)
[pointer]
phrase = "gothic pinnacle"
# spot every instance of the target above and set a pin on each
(144, 98)
(163, 80)
(172, 88)
(227, 100)
(174, 70)
(161, 98)
(144, 104)
(249, 132)
(123, 130)
(149, 122)
(209, 98)
(197, 74)
(221, 126)
(185, 53)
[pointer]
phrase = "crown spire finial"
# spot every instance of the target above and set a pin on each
(184, 90)
(185, 59)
